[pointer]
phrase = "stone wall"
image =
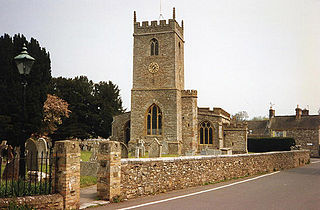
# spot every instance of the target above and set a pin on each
(141, 177)
(217, 117)
(54, 201)
(88, 168)
(235, 137)
(118, 126)
(169, 102)
(308, 139)
(189, 122)
(66, 182)
(67, 172)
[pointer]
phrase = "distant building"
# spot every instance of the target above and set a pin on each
(160, 106)
(304, 128)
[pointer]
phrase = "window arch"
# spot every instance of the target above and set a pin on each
(154, 120)
(154, 47)
(206, 133)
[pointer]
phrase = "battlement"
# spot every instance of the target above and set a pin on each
(145, 27)
(236, 125)
(189, 93)
(214, 111)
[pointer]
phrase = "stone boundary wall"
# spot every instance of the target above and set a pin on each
(88, 168)
(54, 201)
(66, 181)
(148, 176)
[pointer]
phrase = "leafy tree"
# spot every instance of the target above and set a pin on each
(11, 110)
(54, 110)
(240, 116)
(259, 118)
(107, 103)
(77, 93)
(92, 105)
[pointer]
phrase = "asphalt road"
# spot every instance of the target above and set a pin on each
(297, 188)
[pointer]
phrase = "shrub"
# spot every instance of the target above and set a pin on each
(270, 144)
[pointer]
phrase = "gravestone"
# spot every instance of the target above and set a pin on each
(42, 150)
(94, 154)
(190, 152)
(165, 147)
(12, 167)
(124, 150)
(155, 149)
(140, 149)
(32, 154)
(84, 148)
(3, 147)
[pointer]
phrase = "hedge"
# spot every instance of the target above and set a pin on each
(270, 144)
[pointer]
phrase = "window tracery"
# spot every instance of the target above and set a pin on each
(154, 47)
(205, 133)
(154, 120)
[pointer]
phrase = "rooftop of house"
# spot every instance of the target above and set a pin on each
(301, 119)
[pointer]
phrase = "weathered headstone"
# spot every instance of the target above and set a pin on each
(155, 149)
(42, 150)
(140, 149)
(124, 150)
(190, 152)
(165, 147)
(84, 148)
(32, 155)
(94, 154)
(226, 151)
(12, 168)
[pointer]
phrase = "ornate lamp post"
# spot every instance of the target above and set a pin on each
(24, 63)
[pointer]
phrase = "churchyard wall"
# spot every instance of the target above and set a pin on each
(141, 177)
(65, 182)
(307, 138)
(54, 201)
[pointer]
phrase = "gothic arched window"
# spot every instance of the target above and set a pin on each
(154, 47)
(154, 120)
(205, 133)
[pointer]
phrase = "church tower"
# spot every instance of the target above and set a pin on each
(158, 79)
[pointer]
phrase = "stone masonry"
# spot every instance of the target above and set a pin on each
(235, 137)
(158, 81)
(149, 176)
(67, 172)
(162, 87)
(109, 172)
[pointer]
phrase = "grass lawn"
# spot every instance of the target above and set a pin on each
(86, 181)
(85, 155)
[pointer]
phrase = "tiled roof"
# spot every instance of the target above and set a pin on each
(289, 122)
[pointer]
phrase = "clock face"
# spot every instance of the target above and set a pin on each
(153, 67)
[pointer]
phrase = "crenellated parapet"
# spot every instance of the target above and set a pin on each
(236, 125)
(189, 93)
(215, 111)
(146, 27)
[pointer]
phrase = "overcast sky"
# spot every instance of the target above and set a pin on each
(239, 54)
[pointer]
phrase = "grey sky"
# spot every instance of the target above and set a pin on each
(239, 54)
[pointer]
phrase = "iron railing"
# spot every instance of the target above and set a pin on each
(38, 178)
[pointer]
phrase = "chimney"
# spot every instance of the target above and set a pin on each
(305, 112)
(298, 113)
(272, 113)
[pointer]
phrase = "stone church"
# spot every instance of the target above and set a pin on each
(160, 106)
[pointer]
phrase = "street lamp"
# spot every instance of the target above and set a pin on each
(24, 63)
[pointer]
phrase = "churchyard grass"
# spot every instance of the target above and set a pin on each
(85, 155)
(21, 188)
(86, 181)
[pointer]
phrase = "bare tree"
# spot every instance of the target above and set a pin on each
(240, 116)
